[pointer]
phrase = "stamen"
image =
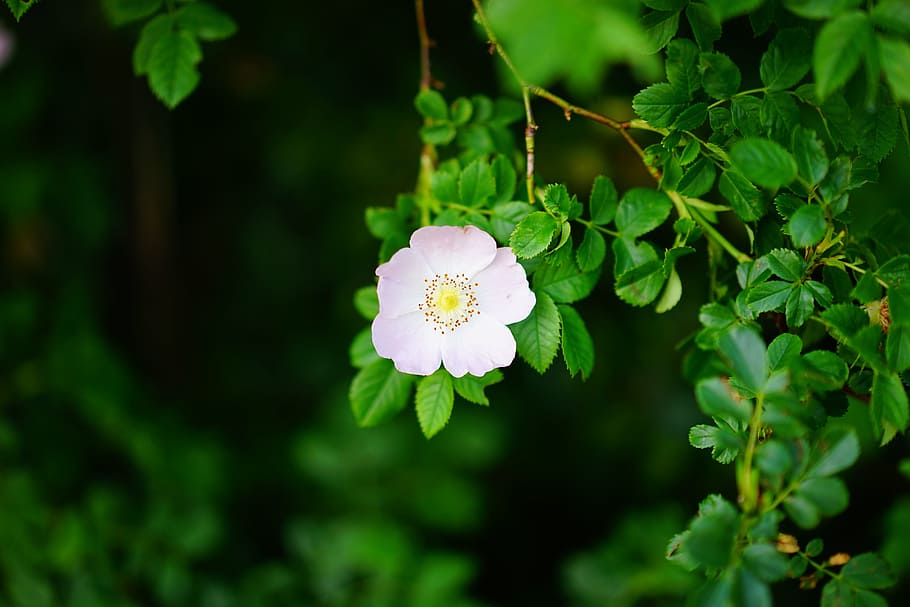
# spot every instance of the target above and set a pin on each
(449, 302)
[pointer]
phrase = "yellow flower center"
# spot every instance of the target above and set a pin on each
(449, 302)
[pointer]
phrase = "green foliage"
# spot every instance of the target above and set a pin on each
(18, 7)
(435, 398)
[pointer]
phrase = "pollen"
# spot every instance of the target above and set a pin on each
(449, 302)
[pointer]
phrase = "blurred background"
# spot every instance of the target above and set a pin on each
(175, 314)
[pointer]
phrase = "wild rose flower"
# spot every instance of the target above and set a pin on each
(447, 299)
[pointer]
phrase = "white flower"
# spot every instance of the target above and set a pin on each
(447, 299)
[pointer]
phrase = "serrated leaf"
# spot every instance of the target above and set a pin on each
(18, 7)
(506, 216)
(690, 119)
(699, 179)
(824, 371)
(839, 46)
(557, 200)
(745, 351)
(744, 198)
(149, 36)
(893, 15)
(560, 277)
(660, 104)
(704, 24)
(659, 28)
(726, 9)
(431, 104)
(868, 570)
(786, 264)
(172, 67)
(783, 351)
(779, 115)
(682, 65)
(638, 271)
(366, 302)
(717, 399)
(505, 178)
(120, 12)
(889, 407)
(799, 307)
(809, 153)
(476, 184)
(533, 235)
(577, 345)
(379, 392)
(538, 336)
(767, 296)
(897, 347)
(720, 77)
(471, 388)
(712, 533)
(787, 60)
(895, 59)
(434, 402)
(746, 115)
(205, 21)
(820, 9)
(672, 293)
(763, 162)
(603, 200)
(807, 226)
(879, 132)
(592, 250)
(642, 210)
(765, 562)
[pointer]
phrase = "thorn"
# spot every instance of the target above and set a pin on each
(568, 114)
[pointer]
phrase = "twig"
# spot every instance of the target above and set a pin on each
(426, 77)
(428, 155)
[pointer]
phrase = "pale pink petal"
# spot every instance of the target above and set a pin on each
(401, 283)
(503, 291)
(477, 347)
(409, 341)
(454, 250)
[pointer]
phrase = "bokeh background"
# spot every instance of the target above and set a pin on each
(175, 313)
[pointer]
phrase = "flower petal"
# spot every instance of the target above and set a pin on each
(454, 250)
(481, 345)
(401, 283)
(503, 291)
(409, 341)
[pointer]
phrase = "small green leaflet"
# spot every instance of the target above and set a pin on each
(638, 271)
(720, 77)
(745, 198)
(787, 60)
(704, 23)
(807, 226)
(431, 104)
(592, 250)
(476, 184)
(504, 176)
(839, 47)
(603, 200)
(205, 21)
(879, 132)
(577, 345)
(434, 402)
(471, 388)
(366, 302)
(660, 104)
(745, 351)
(809, 153)
(763, 162)
(642, 210)
(120, 12)
(172, 67)
(537, 336)
(18, 7)
(533, 235)
(379, 392)
(892, 15)
(895, 57)
(149, 36)
(682, 65)
(889, 406)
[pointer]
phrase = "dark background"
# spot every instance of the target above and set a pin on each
(174, 322)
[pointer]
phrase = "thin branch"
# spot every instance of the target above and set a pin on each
(426, 77)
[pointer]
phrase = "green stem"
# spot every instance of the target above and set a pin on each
(739, 94)
(712, 233)
(591, 224)
(748, 482)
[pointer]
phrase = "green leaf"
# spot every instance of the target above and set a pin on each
(659, 28)
(786, 264)
(431, 104)
(716, 399)
(506, 216)
(809, 153)
(537, 336)
(642, 210)
(895, 272)
(505, 178)
(682, 65)
(800, 306)
(783, 351)
(712, 533)
(787, 60)
(672, 293)
(471, 388)
(638, 271)
(824, 371)
(120, 12)
(560, 277)
(802, 511)
(592, 250)
(149, 36)
(690, 119)
(746, 200)
(763, 162)
(828, 494)
(205, 21)
(461, 111)
(897, 347)
(172, 67)
(720, 77)
(879, 132)
(779, 115)
(558, 202)
(704, 23)
(725, 9)
(845, 320)
(476, 184)
(868, 570)
(660, 104)
(665, 5)
(434, 402)
(577, 345)
(807, 227)
(603, 200)
(837, 450)
(767, 296)
(361, 351)
(379, 392)
(438, 134)
(765, 562)
(839, 46)
(895, 58)
(18, 7)
(889, 407)
(745, 351)
(837, 593)
(366, 302)
(383, 222)
(746, 114)
(699, 179)
(533, 235)
(820, 9)
(893, 15)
